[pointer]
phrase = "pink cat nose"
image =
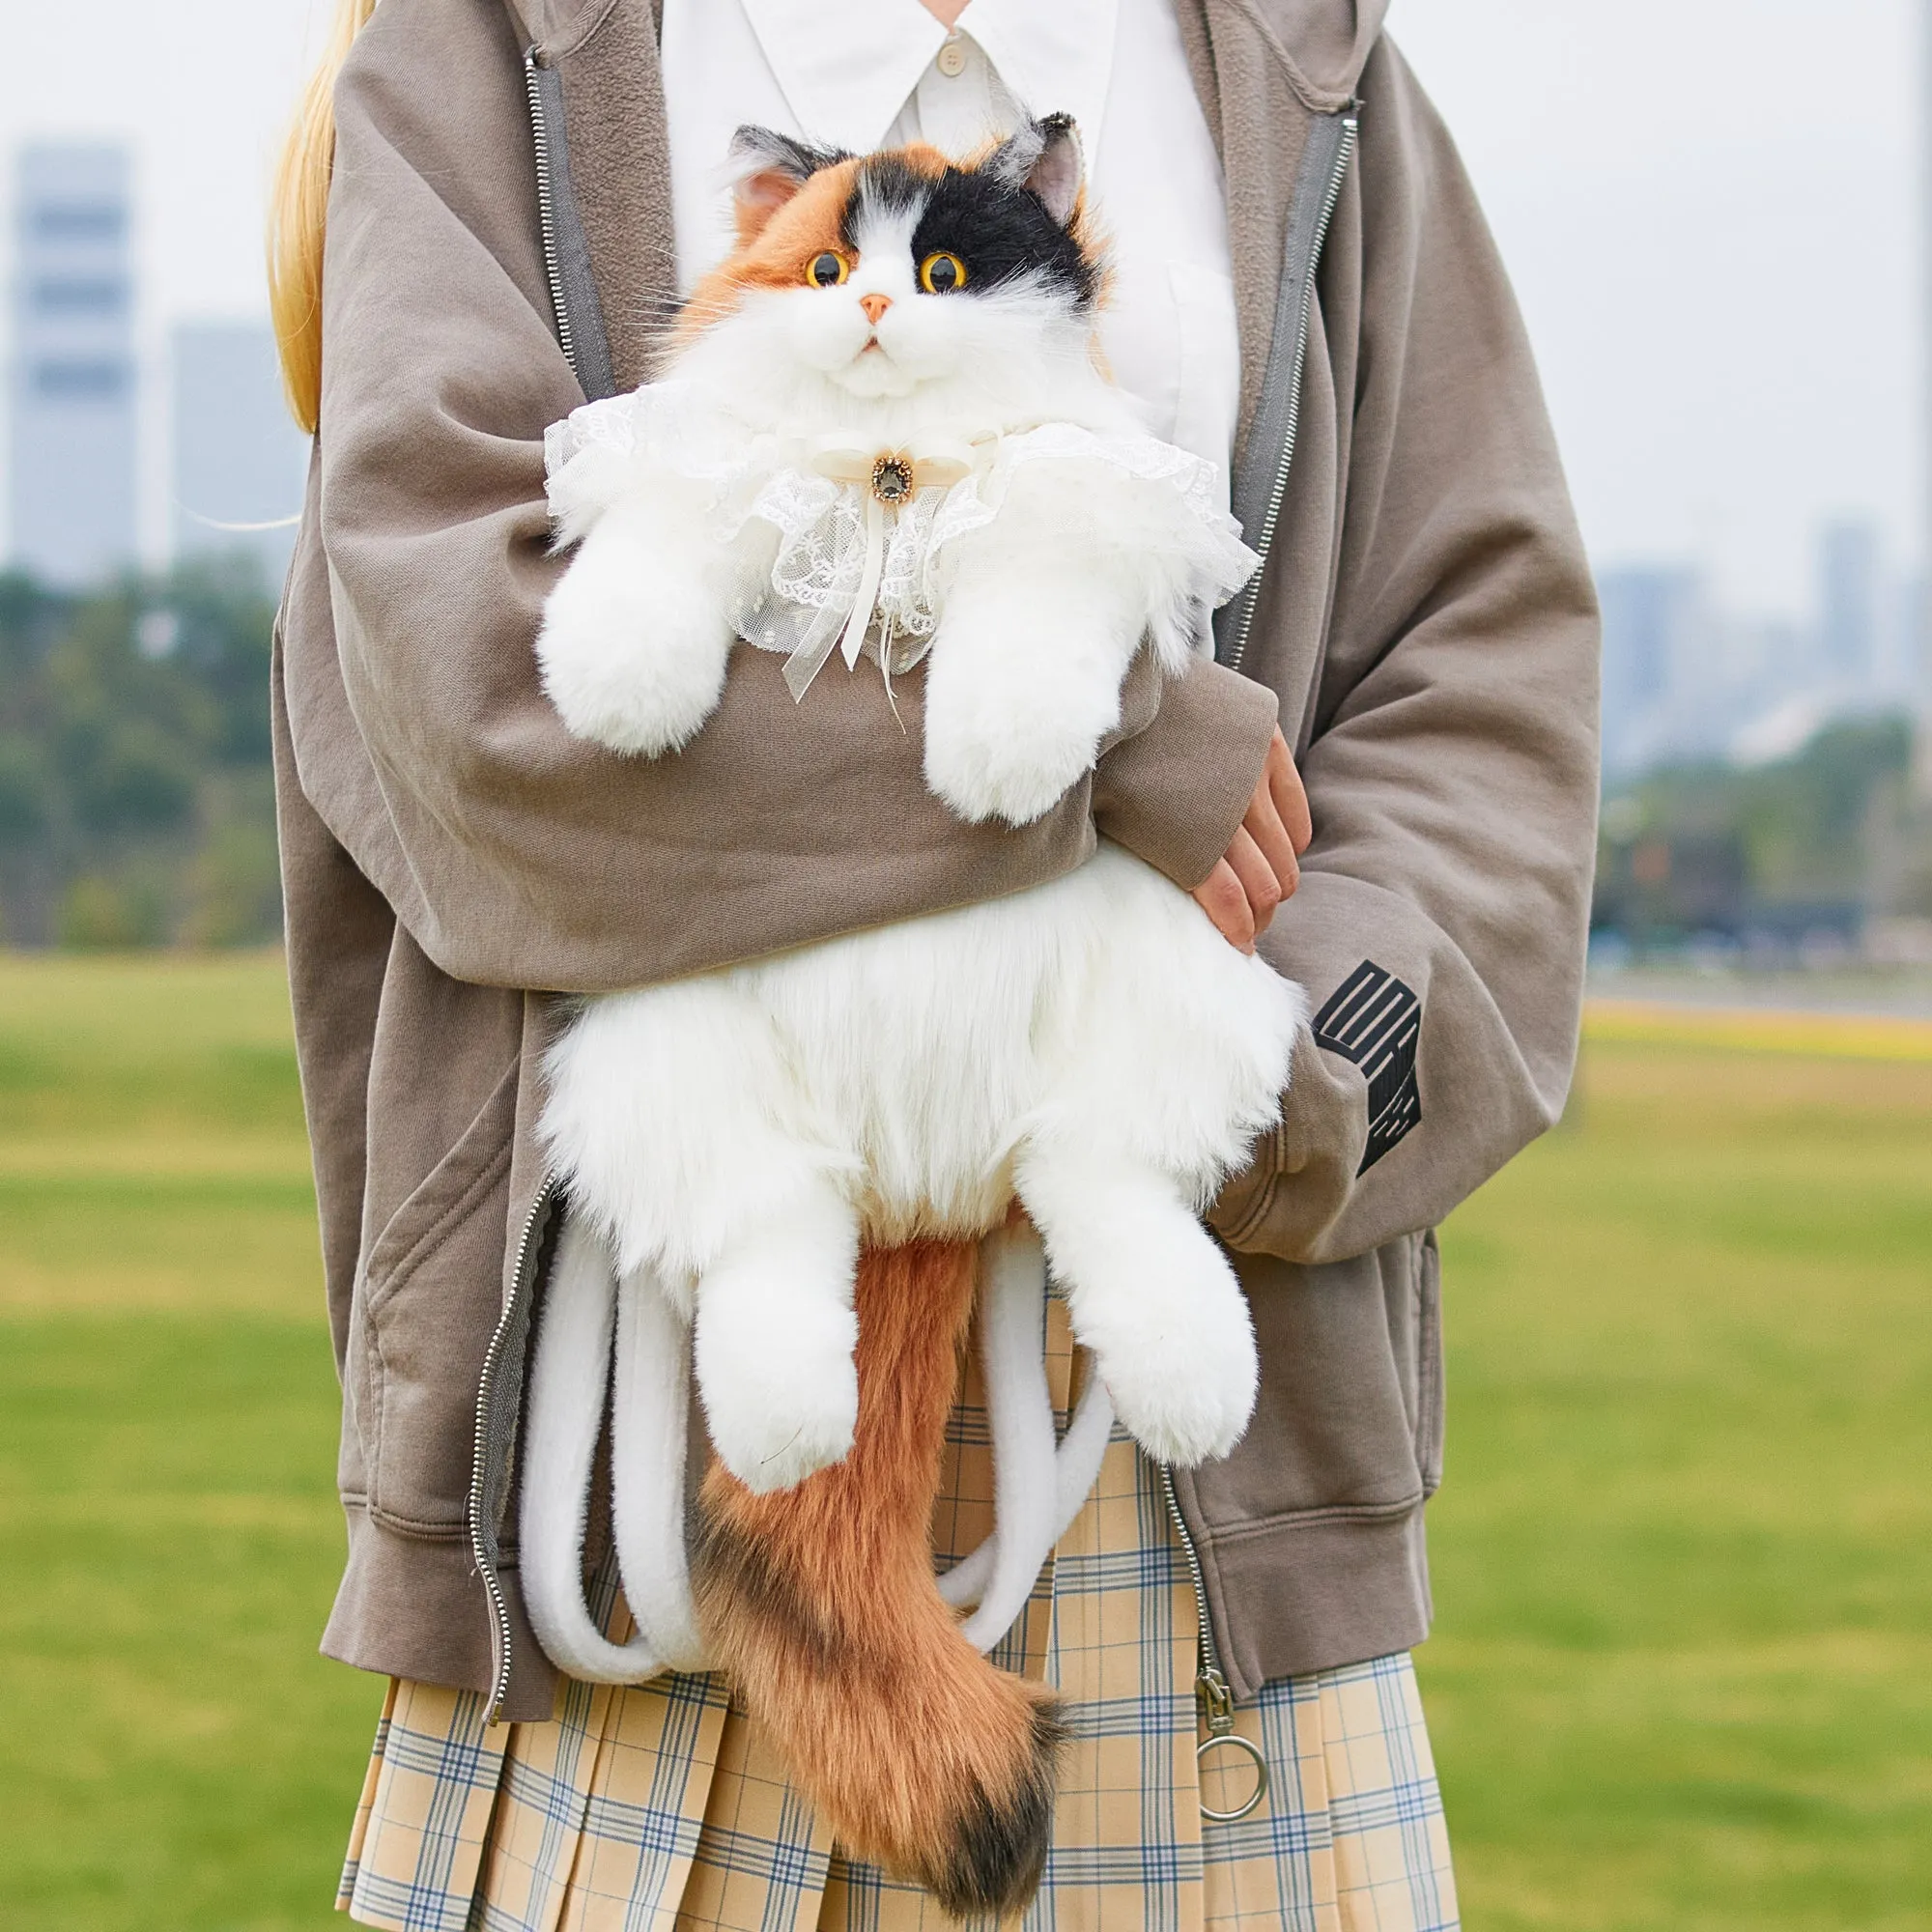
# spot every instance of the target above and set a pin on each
(874, 307)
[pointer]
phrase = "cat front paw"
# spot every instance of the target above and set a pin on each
(1006, 766)
(637, 669)
(1021, 690)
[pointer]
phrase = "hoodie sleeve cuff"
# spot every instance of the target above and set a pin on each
(1303, 1172)
(1175, 789)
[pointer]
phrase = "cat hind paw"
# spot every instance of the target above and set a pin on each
(1185, 1413)
(771, 1446)
(1172, 1337)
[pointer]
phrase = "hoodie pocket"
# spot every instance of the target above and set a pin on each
(1334, 1428)
(433, 1290)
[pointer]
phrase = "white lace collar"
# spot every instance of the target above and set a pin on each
(854, 565)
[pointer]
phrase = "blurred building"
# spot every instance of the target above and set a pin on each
(1686, 679)
(73, 394)
(1908, 627)
(1653, 626)
(1852, 613)
(239, 458)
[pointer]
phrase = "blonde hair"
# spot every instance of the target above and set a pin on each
(297, 217)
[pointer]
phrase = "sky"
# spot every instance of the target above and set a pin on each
(1708, 207)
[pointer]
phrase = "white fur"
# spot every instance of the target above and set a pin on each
(1094, 1045)
(637, 632)
(1044, 610)
(636, 635)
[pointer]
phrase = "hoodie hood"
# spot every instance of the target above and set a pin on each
(1327, 42)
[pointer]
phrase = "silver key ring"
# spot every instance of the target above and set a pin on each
(1234, 1741)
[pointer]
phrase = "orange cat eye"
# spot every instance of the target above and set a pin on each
(827, 271)
(942, 273)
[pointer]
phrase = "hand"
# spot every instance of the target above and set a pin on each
(1260, 867)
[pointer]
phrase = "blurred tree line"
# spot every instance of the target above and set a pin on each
(136, 800)
(1817, 845)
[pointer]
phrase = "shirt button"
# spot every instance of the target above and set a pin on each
(952, 61)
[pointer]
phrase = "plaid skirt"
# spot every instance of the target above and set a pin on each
(659, 1806)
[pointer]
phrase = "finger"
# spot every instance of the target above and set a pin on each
(1231, 910)
(1221, 897)
(1264, 826)
(1290, 794)
(1257, 876)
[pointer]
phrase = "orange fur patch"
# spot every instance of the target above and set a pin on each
(772, 252)
(774, 249)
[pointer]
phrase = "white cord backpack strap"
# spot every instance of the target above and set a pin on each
(569, 1388)
(1038, 1488)
(649, 1425)
(1076, 1469)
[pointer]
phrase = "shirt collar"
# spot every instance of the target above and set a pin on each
(838, 95)
(1054, 58)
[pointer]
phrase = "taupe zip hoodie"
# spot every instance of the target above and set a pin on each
(1425, 633)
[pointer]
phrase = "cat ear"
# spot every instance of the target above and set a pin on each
(766, 170)
(1044, 157)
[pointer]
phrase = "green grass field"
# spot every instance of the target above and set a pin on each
(1683, 1674)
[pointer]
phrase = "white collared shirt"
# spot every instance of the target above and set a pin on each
(861, 75)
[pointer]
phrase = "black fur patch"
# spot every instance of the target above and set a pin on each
(723, 1560)
(1000, 231)
(1001, 1851)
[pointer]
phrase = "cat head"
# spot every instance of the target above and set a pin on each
(882, 274)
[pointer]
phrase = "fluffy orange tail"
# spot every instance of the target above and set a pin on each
(819, 1602)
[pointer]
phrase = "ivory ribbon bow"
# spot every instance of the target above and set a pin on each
(889, 478)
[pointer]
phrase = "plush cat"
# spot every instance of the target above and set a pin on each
(884, 430)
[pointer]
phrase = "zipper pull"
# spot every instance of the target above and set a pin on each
(1216, 1703)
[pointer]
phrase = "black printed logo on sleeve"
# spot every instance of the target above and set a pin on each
(1375, 1020)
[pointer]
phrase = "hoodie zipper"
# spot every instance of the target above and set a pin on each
(553, 254)
(1263, 540)
(482, 1549)
(1214, 1700)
